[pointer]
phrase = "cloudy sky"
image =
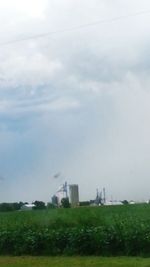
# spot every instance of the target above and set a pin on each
(76, 100)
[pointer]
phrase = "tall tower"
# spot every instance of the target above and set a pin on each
(104, 194)
(74, 194)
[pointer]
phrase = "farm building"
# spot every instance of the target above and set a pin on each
(27, 207)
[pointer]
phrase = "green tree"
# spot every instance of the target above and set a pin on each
(65, 202)
(125, 202)
(39, 205)
(50, 206)
(84, 203)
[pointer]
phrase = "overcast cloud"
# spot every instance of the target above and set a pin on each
(76, 101)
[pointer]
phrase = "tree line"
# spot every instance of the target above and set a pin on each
(38, 205)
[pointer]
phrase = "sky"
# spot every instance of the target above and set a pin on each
(76, 100)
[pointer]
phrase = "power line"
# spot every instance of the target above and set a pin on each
(80, 27)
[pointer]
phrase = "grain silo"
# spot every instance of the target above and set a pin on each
(74, 194)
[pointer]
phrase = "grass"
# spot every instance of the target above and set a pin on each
(73, 262)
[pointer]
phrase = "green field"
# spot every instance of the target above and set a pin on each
(103, 231)
(73, 262)
(89, 216)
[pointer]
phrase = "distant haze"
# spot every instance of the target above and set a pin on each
(74, 103)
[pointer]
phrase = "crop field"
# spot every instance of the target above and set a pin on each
(100, 231)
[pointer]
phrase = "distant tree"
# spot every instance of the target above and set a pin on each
(125, 202)
(9, 206)
(84, 203)
(39, 205)
(50, 206)
(6, 207)
(21, 204)
(16, 206)
(65, 202)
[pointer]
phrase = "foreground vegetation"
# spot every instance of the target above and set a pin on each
(73, 262)
(107, 231)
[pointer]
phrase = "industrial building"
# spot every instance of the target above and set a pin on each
(55, 200)
(74, 194)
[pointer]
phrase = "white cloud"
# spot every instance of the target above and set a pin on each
(28, 8)
(30, 70)
(78, 100)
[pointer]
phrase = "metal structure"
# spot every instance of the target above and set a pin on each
(63, 189)
(100, 197)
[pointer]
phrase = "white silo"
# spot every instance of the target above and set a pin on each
(74, 194)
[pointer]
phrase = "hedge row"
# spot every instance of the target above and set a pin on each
(111, 240)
